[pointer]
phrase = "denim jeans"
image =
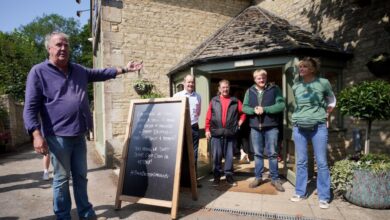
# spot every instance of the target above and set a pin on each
(265, 139)
(222, 147)
(319, 139)
(69, 156)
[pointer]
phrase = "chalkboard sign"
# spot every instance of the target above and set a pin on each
(153, 153)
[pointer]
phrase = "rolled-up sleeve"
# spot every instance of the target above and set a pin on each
(33, 102)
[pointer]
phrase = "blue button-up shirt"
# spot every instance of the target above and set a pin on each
(194, 101)
(58, 104)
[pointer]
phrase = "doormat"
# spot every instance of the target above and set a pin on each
(243, 186)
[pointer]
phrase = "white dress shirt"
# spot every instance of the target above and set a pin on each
(194, 100)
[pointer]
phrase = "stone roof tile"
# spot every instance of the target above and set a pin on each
(254, 32)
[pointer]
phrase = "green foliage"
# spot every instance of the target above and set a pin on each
(41, 26)
(342, 174)
(367, 100)
(85, 56)
(143, 85)
(146, 89)
(24, 47)
(342, 171)
(376, 163)
(17, 55)
(151, 95)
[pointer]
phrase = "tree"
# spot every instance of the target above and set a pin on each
(41, 26)
(17, 55)
(23, 48)
(367, 100)
(85, 55)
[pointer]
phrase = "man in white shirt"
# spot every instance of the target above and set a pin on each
(194, 100)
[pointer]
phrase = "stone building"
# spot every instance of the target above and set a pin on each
(229, 39)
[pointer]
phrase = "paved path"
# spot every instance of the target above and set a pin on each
(24, 195)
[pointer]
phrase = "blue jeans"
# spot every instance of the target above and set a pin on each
(222, 147)
(265, 139)
(69, 155)
(319, 139)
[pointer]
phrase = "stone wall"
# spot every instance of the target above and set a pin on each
(14, 125)
(159, 32)
(361, 27)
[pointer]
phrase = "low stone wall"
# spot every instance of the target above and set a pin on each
(12, 131)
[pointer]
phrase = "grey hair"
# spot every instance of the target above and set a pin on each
(49, 36)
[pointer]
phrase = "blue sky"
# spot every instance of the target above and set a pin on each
(14, 13)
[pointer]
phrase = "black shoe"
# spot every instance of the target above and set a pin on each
(230, 180)
(216, 181)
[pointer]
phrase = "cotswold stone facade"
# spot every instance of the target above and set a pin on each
(159, 32)
(359, 26)
(163, 32)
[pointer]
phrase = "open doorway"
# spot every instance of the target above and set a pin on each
(240, 81)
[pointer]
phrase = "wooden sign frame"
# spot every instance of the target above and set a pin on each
(184, 131)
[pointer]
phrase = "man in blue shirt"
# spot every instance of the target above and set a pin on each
(194, 100)
(57, 115)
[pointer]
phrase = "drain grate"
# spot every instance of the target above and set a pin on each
(264, 215)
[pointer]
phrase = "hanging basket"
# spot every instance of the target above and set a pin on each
(142, 87)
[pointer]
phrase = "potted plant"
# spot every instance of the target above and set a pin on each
(369, 101)
(143, 86)
(364, 182)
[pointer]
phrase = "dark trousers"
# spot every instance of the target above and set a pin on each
(222, 147)
(195, 141)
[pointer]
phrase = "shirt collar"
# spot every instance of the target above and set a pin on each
(188, 93)
(47, 62)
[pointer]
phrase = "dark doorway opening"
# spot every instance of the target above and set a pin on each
(240, 81)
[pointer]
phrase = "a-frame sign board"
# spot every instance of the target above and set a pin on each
(158, 143)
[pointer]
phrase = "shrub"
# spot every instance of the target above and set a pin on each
(342, 171)
(368, 100)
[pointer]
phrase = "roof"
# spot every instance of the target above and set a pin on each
(256, 32)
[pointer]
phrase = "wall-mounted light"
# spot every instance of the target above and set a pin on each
(78, 13)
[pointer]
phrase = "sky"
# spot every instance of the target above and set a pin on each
(14, 13)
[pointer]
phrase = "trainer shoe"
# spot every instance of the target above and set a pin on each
(255, 183)
(278, 185)
(230, 180)
(244, 157)
(297, 198)
(324, 204)
(45, 175)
